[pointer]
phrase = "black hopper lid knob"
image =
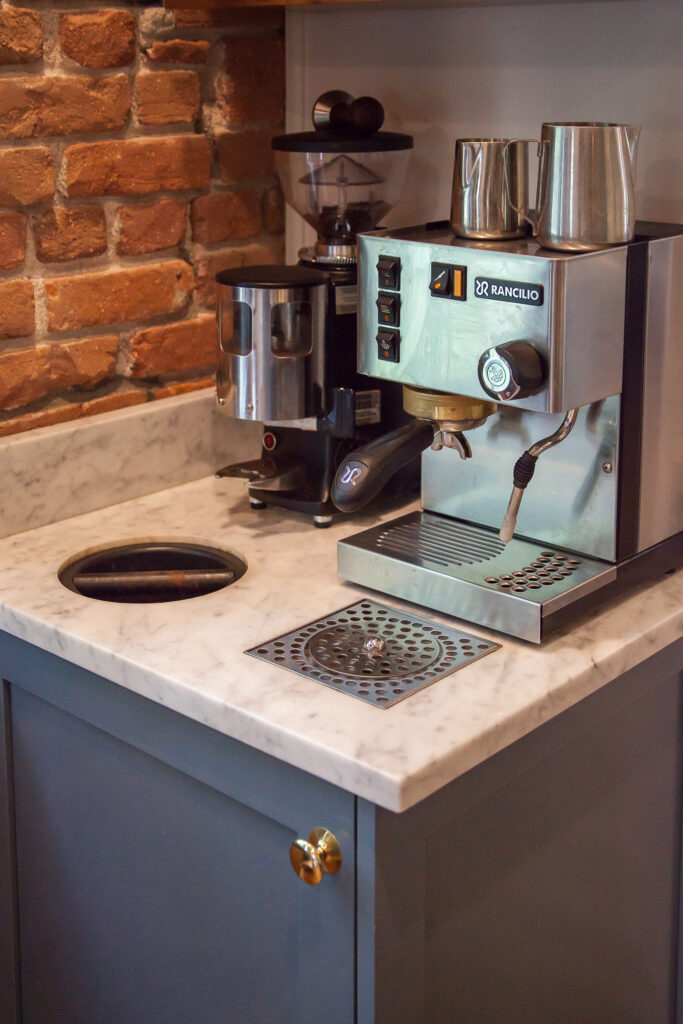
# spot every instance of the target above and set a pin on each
(337, 111)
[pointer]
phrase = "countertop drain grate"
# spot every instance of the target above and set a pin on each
(376, 653)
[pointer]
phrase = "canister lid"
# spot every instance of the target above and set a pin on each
(275, 276)
(342, 142)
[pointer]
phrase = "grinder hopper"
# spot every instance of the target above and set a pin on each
(344, 176)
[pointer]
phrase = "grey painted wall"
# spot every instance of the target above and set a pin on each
(449, 72)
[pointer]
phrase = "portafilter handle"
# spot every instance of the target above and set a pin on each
(364, 472)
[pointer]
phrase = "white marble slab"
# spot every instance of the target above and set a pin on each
(55, 472)
(189, 655)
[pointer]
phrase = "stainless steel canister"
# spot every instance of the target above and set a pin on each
(271, 352)
(481, 205)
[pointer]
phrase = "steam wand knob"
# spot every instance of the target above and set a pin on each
(524, 470)
(513, 370)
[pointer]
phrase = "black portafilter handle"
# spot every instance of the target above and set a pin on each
(364, 472)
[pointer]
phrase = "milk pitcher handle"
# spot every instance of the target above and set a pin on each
(524, 214)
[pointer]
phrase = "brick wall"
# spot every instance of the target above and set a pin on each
(135, 163)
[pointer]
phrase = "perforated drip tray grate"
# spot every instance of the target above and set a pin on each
(376, 653)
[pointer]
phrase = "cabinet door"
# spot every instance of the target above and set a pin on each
(154, 885)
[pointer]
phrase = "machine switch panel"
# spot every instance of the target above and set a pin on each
(389, 345)
(389, 272)
(388, 307)
(448, 281)
(447, 324)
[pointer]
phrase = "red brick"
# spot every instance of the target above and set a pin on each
(12, 240)
(30, 374)
(261, 19)
(148, 227)
(70, 232)
(44, 418)
(62, 105)
(244, 155)
(173, 348)
(109, 403)
(136, 167)
(272, 251)
(98, 39)
(253, 85)
(21, 36)
(224, 216)
(183, 387)
(167, 97)
(17, 309)
(179, 51)
(273, 210)
(117, 296)
(26, 176)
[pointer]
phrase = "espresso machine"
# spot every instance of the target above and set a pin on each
(288, 334)
(517, 361)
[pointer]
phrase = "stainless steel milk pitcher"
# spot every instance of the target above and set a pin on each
(585, 193)
(481, 203)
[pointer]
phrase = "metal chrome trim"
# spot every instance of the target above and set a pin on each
(461, 590)
(581, 321)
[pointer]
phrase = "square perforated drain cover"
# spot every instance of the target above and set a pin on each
(376, 653)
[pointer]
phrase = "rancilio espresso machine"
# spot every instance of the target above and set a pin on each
(520, 361)
(288, 336)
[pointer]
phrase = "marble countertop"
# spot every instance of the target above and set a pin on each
(188, 655)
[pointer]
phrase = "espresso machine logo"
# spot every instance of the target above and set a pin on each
(508, 291)
(350, 475)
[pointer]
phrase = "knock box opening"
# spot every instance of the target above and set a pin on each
(152, 571)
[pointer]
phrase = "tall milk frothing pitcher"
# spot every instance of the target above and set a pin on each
(585, 193)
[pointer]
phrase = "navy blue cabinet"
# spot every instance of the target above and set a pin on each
(145, 875)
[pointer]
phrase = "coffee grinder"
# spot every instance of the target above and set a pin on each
(288, 334)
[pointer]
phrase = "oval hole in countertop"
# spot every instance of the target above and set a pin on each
(151, 572)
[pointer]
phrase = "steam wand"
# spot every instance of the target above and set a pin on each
(524, 470)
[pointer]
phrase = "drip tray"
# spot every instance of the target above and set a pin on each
(376, 653)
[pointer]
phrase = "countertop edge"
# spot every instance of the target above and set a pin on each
(387, 790)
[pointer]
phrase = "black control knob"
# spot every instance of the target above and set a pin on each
(514, 370)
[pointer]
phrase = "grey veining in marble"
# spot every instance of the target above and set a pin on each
(50, 474)
(189, 656)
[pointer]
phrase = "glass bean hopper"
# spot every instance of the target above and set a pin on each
(345, 175)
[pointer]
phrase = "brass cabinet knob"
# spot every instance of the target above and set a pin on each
(321, 853)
